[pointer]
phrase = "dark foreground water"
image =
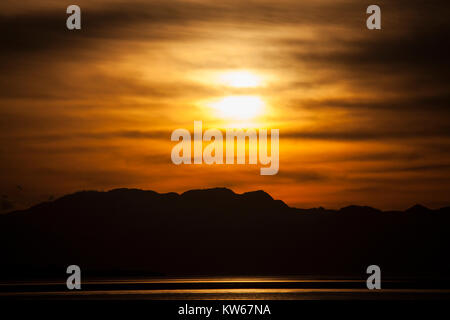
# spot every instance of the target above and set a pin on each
(215, 288)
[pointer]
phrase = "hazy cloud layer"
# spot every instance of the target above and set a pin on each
(360, 112)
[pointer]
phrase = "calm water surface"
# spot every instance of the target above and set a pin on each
(223, 288)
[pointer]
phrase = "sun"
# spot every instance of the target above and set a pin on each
(239, 107)
(240, 79)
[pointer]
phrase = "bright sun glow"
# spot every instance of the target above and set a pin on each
(239, 107)
(240, 79)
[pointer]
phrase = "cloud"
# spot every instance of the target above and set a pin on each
(351, 134)
(437, 167)
(303, 175)
(6, 205)
(116, 89)
(361, 134)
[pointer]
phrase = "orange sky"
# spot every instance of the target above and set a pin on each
(363, 115)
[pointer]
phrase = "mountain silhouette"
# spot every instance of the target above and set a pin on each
(217, 232)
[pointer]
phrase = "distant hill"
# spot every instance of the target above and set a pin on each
(218, 232)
